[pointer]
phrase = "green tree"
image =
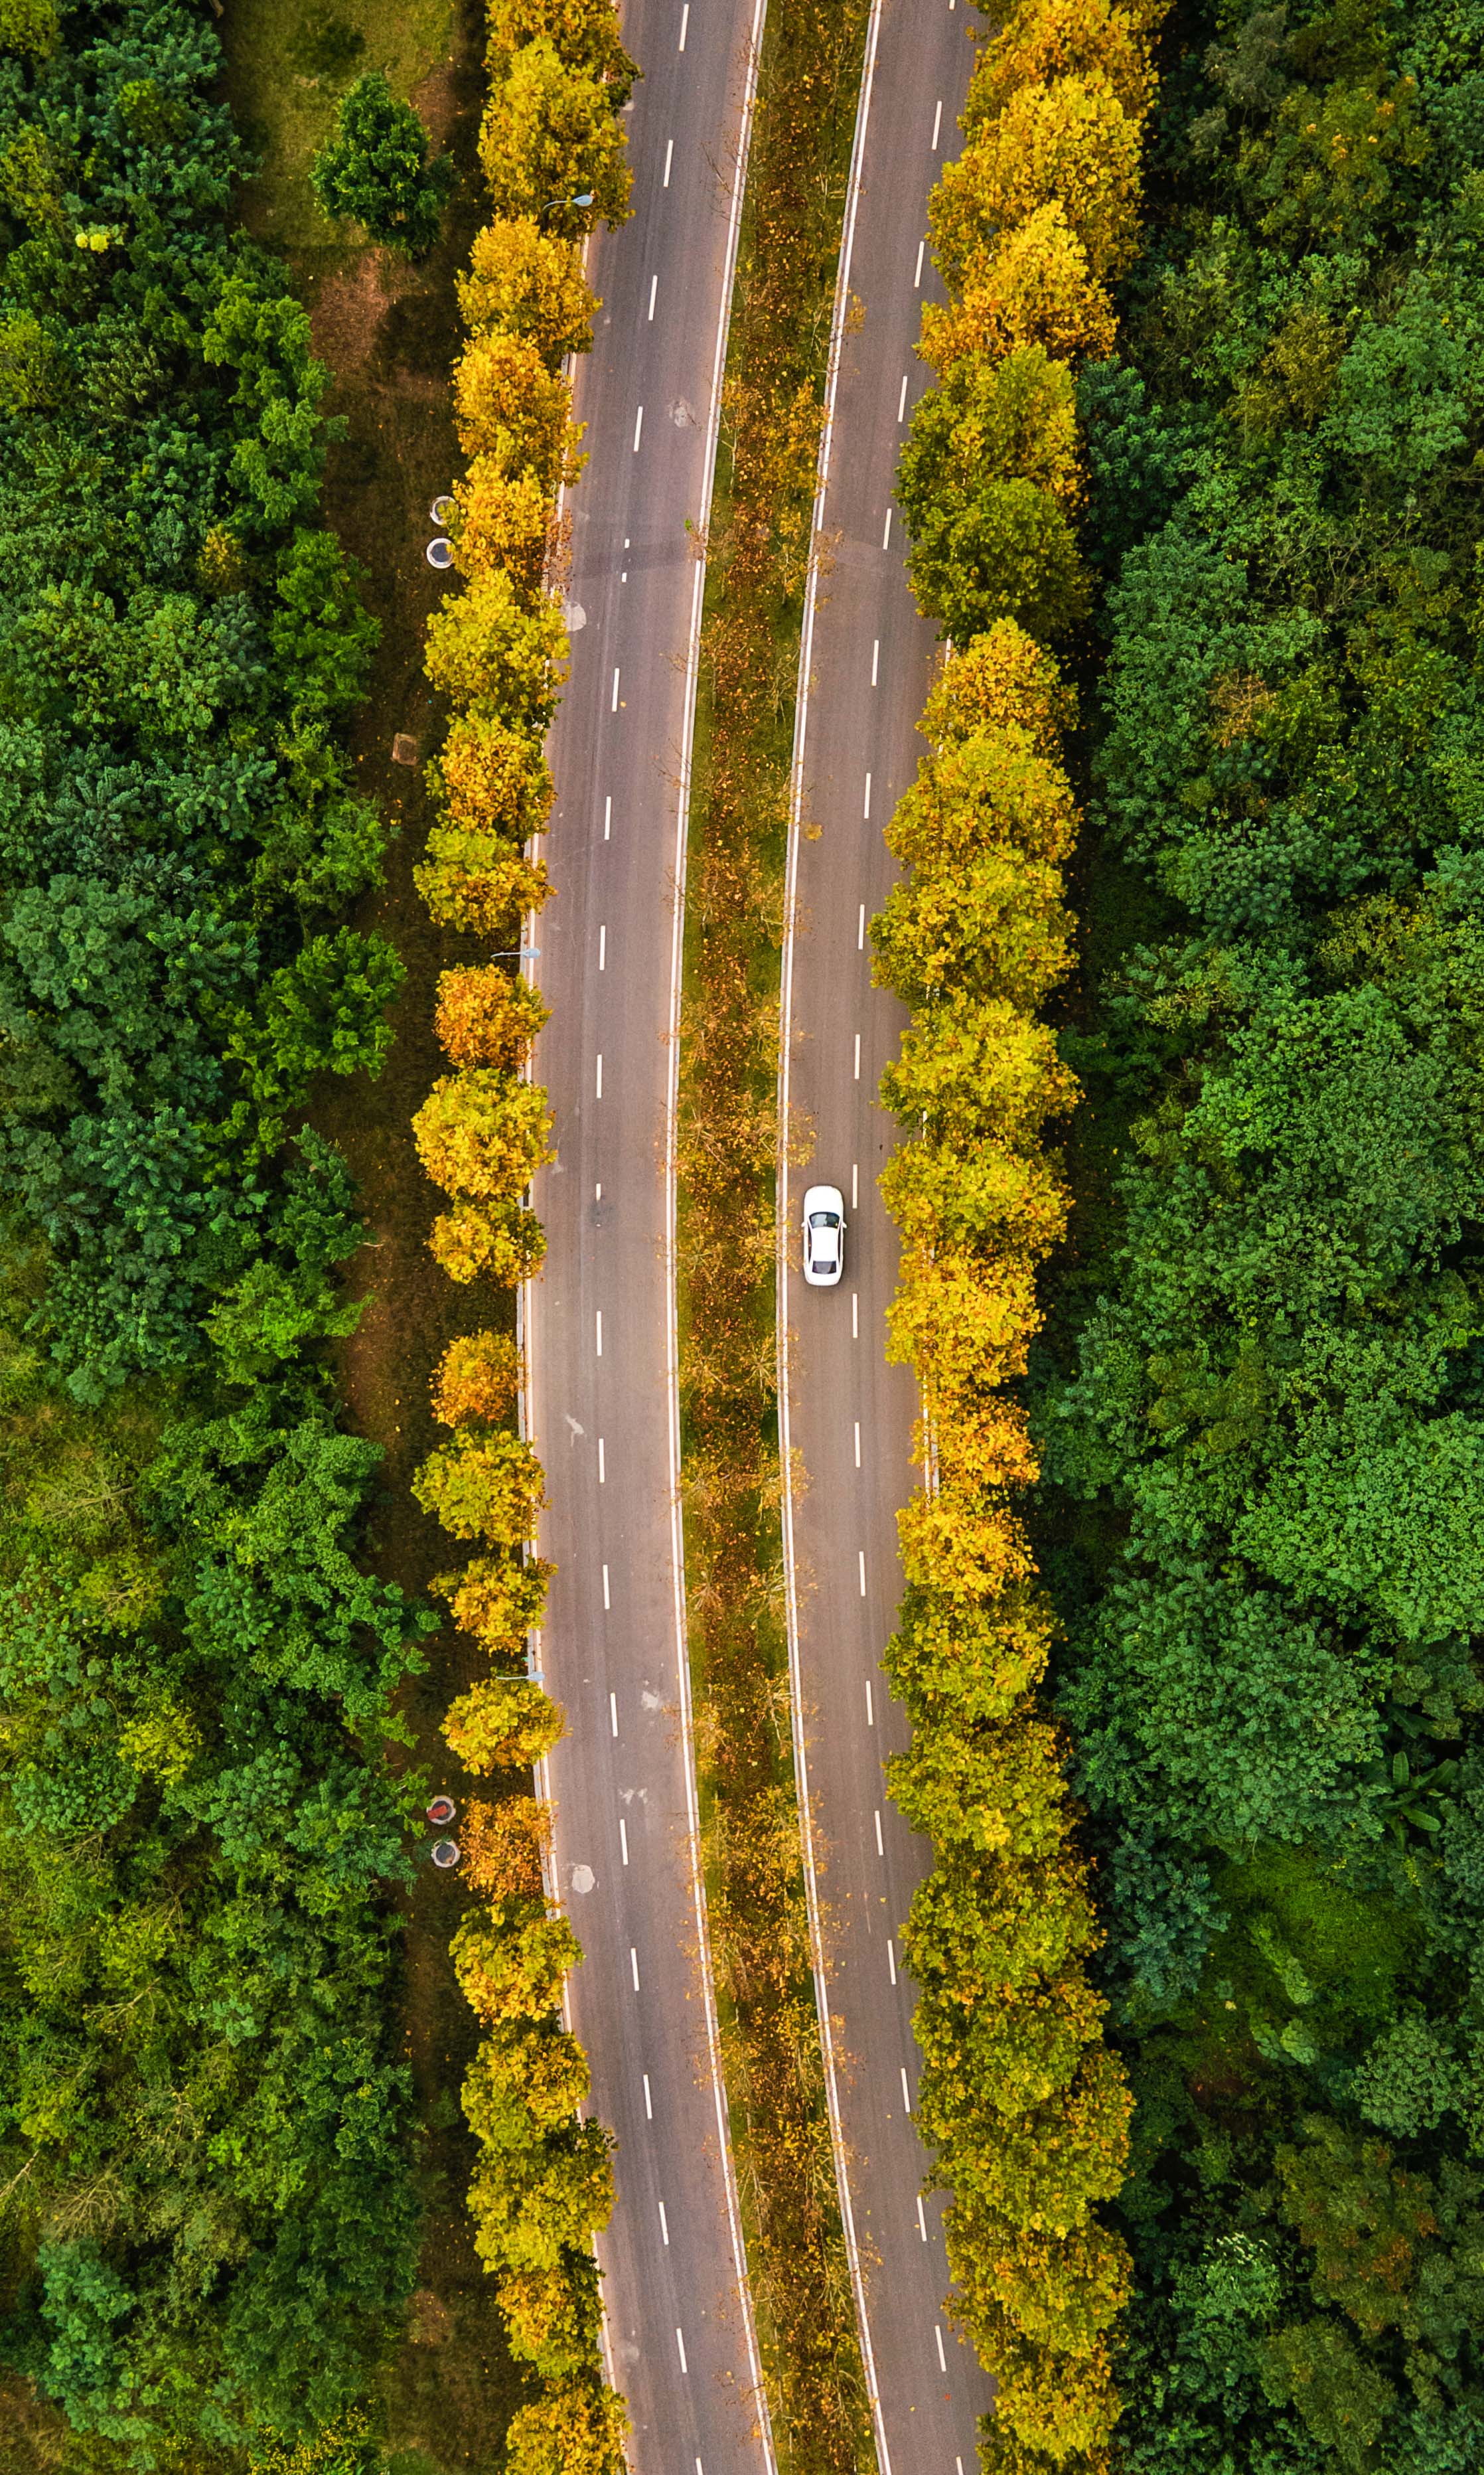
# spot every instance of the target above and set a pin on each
(374, 169)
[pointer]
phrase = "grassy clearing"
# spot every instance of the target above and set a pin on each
(388, 332)
(759, 552)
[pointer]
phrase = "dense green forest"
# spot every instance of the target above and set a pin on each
(204, 2126)
(1260, 1397)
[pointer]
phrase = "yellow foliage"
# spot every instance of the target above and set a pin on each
(503, 1723)
(505, 1846)
(487, 1016)
(499, 1598)
(530, 283)
(483, 1134)
(1071, 144)
(1055, 39)
(1036, 286)
(491, 778)
(513, 1967)
(506, 1245)
(487, 650)
(478, 1377)
(1003, 681)
(485, 893)
(514, 412)
(505, 520)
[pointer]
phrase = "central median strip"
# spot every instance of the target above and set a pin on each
(758, 553)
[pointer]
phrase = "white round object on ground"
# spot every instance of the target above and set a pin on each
(439, 552)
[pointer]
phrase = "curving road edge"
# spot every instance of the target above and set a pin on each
(601, 1403)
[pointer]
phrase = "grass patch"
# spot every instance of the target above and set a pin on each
(758, 567)
(291, 62)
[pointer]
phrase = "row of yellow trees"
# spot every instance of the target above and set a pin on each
(1026, 2107)
(497, 650)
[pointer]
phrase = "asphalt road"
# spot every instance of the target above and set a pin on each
(849, 1414)
(598, 1322)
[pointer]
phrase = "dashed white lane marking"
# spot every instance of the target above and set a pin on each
(862, 1594)
(680, 2342)
(598, 1091)
(922, 2229)
(602, 1473)
(867, 810)
(685, 23)
(623, 1838)
(870, 1706)
(614, 707)
(613, 1712)
(901, 401)
(886, 538)
(892, 1958)
(875, 659)
(606, 1600)
(633, 1961)
(664, 2227)
(937, 122)
(855, 1314)
(855, 1206)
(857, 1057)
(639, 423)
(861, 931)
(669, 157)
(917, 278)
(906, 2092)
(597, 1320)
(858, 1443)
(942, 2360)
(654, 285)
(607, 816)
(602, 949)
(648, 2100)
(880, 1849)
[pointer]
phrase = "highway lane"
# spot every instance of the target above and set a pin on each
(598, 1322)
(868, 667)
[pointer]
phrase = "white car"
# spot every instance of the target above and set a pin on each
(824, 1235)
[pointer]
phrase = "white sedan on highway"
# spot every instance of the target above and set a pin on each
(824, 1235)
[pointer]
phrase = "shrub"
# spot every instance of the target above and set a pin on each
(550, 136)
(514, 413)
(507, 1243)
(483, 1134)
(487, 651)
(478, 884)
(505, 1847)
(375, 169)
(483, 1486)
(530, 284)
(497, 1599)
(487, 1016)
(478, 1378)
(502, 1723)
(503, 523)
(491, 778)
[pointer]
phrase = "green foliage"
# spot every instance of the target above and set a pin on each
(375, 170)
(1261, 1398)
(204, 2126)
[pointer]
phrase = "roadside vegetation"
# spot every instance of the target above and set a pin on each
(1023, 2101)
(209, 2218)
(494, 652)
(758, 556)
(1259, 1409)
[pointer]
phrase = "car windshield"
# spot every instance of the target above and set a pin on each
(823, 1221)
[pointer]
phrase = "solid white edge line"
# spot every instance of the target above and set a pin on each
(525, 1293)
(786, 1457)
(672, 1333)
